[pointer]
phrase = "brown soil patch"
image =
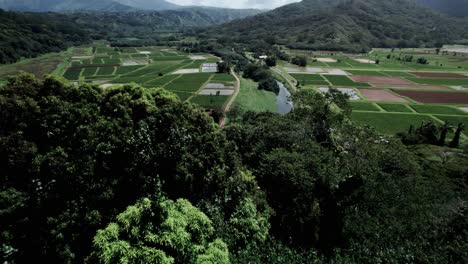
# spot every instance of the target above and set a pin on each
(436, 97)
(376, 79)
(412, 86)
(438, 75)
(381, 95)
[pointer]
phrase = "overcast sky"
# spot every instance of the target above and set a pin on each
(260, 4)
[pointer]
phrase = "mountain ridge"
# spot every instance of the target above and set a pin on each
(87, 5)
(352, 25)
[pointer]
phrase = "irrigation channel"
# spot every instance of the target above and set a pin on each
(285, 105)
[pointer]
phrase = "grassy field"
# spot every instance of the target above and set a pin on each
(395, 108)
(438, 109)
(389, 123)
(210, 101)
(252, 99)
(453, 120)
(364, 106)
(223, 78)
(309, 79)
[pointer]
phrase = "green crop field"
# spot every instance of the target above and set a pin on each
(161, 81)
(309, 79)
(210, 101)
(339, 80)
(89, 72)
(72, 74)
(189, 82)
(389, 123)
(105, 71)
(364, 106)
(183, 96)
(395, 108)
(223, 78)
(438, 109)
(127, 69)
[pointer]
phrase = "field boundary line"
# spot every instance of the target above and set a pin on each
(233, 97)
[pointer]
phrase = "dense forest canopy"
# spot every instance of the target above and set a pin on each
(107, 175)
(29, 35)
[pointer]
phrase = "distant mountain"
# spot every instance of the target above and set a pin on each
(149, 4)
(352, 25)
(451, 7)
(88, 5)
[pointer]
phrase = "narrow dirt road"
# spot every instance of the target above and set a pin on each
(233, 97)
(293, 85)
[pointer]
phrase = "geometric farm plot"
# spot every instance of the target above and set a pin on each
(186, 71)
(210, 67)
(218, 86)
(335, 72)
(216, 92)
(381, 96)
(306, 70)
(377, 79)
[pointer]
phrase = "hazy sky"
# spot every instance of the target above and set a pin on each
(261, 4)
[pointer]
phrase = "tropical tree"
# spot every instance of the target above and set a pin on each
(159, 231)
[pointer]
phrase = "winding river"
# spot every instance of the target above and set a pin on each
(284, 103)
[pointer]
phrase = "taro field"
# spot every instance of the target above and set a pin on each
(388, 89)
(189, 76)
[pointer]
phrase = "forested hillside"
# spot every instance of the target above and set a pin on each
(29, 35)
(133, 175)
(90, 5)
(451, 7)
(352, 25)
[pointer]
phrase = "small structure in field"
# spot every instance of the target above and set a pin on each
(263, 57)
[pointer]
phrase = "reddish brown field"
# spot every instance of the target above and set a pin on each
(438, 75)
(413, 86)
(376, 79)
(381, 95)
(436, 97)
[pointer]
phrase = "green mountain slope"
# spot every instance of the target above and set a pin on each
(351, 25)
(29, 35)
(451, 7)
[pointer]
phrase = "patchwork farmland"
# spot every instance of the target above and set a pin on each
(192, 77)
(394, 93)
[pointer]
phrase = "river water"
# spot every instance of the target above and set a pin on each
(284, 103)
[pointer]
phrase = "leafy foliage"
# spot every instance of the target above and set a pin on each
(159, 232)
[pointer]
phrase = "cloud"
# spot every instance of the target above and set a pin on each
(259, 4)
